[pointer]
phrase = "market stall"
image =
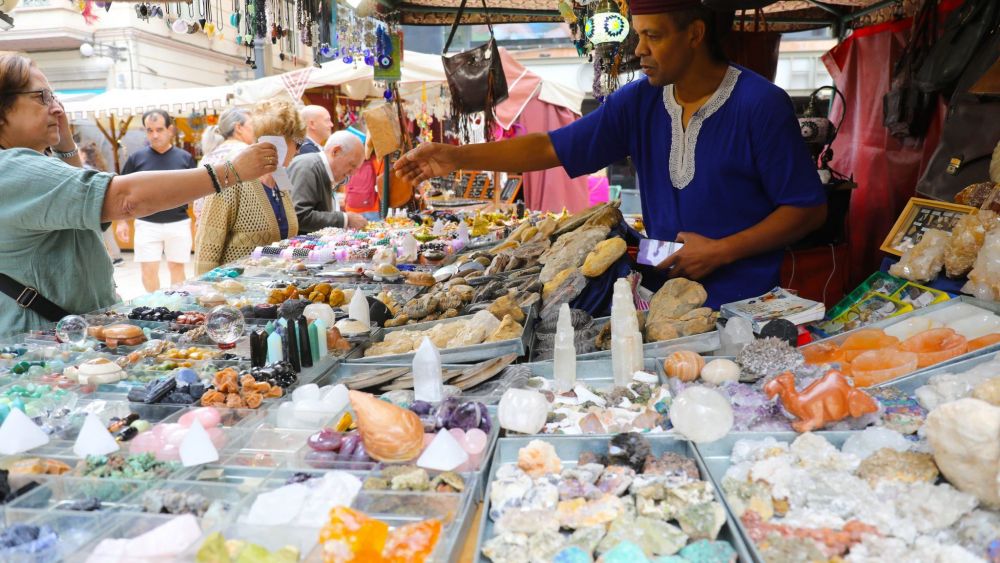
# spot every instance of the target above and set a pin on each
(457, 385)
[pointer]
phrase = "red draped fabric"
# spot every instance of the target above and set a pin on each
(885, 168)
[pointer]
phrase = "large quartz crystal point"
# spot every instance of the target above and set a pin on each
(964, 436)
(427, 384)
(564, 357)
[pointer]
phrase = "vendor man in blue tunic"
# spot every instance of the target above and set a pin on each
(719, 156)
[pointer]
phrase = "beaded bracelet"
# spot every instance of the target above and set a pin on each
(215, 180)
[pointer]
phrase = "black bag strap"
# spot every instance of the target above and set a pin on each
(29, 298)
(458, 18)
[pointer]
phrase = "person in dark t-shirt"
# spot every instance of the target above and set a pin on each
(166, 232)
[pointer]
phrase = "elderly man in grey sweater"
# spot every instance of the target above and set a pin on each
(314, 177)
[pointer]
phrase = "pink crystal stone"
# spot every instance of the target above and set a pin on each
(209, 417)
(459, 435)
(217, 436)
(146, 442)
(475, 441)
(428, 438)
(169, 453)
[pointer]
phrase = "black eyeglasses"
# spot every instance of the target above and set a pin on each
(47, 96)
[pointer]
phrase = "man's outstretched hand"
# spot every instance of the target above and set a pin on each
(429, 160)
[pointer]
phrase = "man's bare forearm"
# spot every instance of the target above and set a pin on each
(784, 226)
(522, 154)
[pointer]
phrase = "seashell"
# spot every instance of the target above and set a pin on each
(390, 433)
(684, 365)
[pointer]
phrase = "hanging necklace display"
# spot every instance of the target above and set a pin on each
(383, 48)
(234, 18)
(355, 38)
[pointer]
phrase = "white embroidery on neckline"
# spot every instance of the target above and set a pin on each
(683, 143)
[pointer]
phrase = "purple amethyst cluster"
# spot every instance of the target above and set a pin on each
(452, 413)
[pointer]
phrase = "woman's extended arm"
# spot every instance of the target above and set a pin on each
(145, 193)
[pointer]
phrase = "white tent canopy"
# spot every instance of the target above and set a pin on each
(355, 81)
(177, 101)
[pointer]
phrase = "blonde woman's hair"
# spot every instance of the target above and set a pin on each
(277, 117)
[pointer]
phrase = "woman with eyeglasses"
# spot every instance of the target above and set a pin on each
(256, 213)
(52, 258)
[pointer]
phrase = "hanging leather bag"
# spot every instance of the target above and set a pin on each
(970, 132)
(906, 109)
(475, 77)
(964, 31)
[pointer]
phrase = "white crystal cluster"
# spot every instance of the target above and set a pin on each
(947, 387)
(919, 521)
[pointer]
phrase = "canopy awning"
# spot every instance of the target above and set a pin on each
(176, 101)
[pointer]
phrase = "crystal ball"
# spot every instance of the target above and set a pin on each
(225, 324)
(701, 414)
(72, 329)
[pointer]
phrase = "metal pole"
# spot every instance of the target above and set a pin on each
(259, 55)
(386, 181)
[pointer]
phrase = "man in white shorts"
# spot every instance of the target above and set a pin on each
(167, 232)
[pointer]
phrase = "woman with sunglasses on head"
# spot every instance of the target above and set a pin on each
(255, 213)
(52, 258)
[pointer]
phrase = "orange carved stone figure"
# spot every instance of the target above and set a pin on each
(828, 399)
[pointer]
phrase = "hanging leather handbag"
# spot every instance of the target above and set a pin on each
(970, 132)
(475, 77)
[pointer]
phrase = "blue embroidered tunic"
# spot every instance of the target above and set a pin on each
(740, 158)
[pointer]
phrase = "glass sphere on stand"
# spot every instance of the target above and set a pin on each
(225, 326)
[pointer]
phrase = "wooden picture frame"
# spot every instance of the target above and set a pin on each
(918, 216)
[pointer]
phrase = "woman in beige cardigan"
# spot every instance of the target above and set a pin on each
(254, 213)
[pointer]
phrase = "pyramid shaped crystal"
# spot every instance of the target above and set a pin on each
(444, 453)
(197, 447)
(94, 439)
(20, 434)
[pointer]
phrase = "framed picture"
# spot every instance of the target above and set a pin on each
(919, 216)
(511, 188)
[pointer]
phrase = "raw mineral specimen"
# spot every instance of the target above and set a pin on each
(616, 479)
(629, 449)
(625, 552)
(653, 536)
(572, 554)
(588, 538)
(829, 541)
(544, 545)
(766, 357)
(923, 262)
(705, 551)
(519, 521)
(569, 251)
(934, 507)
(507, 548)
(580, 513)
(702, 521)
(964, 436)
(748, 495)
(603, 256)
(988, 391)
(538, 458)
(967, 238)
(671, 463)
(889, 464)
(870, 440)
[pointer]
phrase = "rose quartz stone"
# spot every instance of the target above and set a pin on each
(209, 417)
(458, 434)
(145, 442)
(475, 441)
(169, 453)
